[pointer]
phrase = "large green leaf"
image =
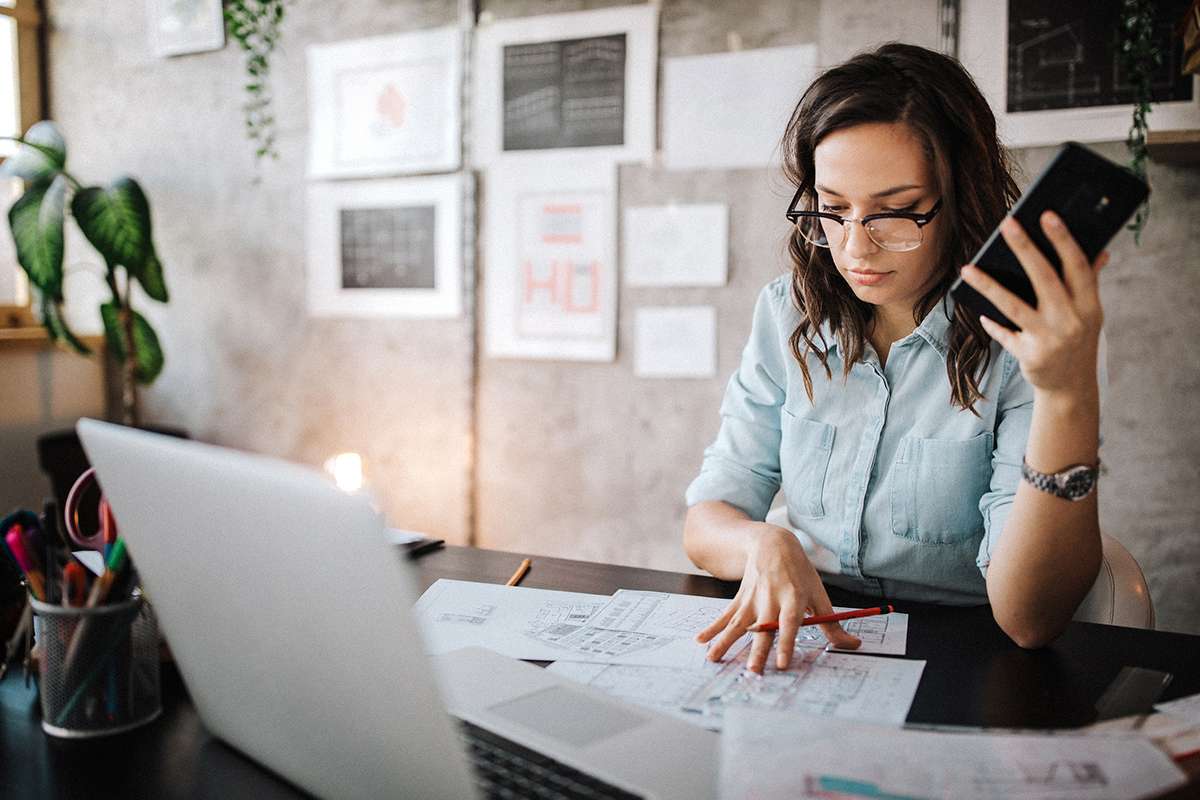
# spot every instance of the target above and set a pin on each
(116, 220)
(37, 163)
(56, 326)
(148, 355)
(36, 220)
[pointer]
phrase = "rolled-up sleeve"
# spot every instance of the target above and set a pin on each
(1014, 415)
(742, 466)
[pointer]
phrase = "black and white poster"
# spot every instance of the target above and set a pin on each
(564, 94)
(386, 248)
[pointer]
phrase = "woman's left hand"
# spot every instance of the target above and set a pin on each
(1058, 340)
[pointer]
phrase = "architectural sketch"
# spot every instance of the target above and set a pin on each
(1067, 55)
(819, 683)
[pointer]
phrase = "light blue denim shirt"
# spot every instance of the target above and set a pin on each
(891, 489)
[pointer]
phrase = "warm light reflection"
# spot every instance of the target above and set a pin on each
(347, 471)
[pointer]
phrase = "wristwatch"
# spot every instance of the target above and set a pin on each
(1073, 483)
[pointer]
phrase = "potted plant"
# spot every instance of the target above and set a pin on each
(116, 221)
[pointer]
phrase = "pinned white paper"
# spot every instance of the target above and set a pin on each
(675, 342)
(676, 245)
(711, 120)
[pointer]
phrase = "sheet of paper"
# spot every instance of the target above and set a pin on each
(514, 621)
(676, 245)
(886, 634)
(815, 757)
(709, 119)
(658, 629)
(1176, 737)
(550, 260)
(662, 689)
(824, 683)
(665, 614)
(675, 342)
(818, 682)
(1185, 708)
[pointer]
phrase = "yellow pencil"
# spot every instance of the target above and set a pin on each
(520, 573)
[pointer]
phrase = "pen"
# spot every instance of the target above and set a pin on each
(767, 627)
(520, 573)
(103, 585)
(108, 527)
(74, 589)
(17, 546)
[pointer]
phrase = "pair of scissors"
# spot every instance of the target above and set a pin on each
(104, 535)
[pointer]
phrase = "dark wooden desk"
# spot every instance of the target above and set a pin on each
(973, 676)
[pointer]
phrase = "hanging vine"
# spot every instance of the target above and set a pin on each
(255, 25)
(1141, 57)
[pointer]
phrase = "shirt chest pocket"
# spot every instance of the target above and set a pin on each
(936, 488)
(805, 447)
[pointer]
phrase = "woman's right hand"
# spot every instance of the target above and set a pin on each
(779, 585)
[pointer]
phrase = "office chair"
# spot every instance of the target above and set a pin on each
(1120, 595)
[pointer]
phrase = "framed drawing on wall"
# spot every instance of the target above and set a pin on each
(387, 105)
(1059, 77)
(576, 84)
(386, 248)
(178, 27)
(550, 260)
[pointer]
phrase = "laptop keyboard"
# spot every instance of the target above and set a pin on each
(505, 769)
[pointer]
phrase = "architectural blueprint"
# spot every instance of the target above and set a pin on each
(818, 682)
(518, 622)
(630, 627)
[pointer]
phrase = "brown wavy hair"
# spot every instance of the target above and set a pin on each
(937, 99)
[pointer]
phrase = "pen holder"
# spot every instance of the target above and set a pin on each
(98, 668)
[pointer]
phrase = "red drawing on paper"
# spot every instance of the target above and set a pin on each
(571, 286)
(392, 106)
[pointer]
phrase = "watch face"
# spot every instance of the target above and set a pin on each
(1078, 482)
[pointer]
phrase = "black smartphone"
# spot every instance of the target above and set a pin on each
(1094, 197)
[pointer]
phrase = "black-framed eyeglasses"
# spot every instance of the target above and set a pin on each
(896, 231)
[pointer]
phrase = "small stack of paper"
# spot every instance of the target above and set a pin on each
(640, 646)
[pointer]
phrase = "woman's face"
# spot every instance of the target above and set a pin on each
(867, 169)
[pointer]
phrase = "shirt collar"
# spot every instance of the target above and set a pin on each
(934, 329)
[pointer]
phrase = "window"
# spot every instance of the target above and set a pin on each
(21, 104)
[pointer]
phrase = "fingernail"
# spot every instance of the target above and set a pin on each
(1009, 225)
(1051, 219)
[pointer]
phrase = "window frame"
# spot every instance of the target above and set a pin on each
(31, 88)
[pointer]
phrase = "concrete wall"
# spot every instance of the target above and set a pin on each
(578, 460)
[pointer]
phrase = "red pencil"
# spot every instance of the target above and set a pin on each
(767, 627)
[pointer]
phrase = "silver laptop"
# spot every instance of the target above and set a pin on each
(289, 616)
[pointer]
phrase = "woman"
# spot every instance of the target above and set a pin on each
(897, 424)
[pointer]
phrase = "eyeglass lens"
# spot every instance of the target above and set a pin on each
(896, 233)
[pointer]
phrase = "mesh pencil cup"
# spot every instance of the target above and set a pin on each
(98, 669)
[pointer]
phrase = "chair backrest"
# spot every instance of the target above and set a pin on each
(1120, 595)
